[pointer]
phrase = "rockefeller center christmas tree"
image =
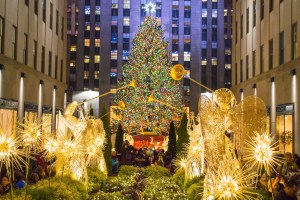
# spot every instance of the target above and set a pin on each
(149, 65)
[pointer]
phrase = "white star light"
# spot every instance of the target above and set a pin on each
(149, 7)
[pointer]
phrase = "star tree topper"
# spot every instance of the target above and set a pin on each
(150, 7)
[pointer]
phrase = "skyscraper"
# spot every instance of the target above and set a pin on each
(266, 57)
(100, 34)
(32, 60)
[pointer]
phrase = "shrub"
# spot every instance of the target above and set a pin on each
(127, 170)
(195, 191)
(197, 179)
(118, 183)
(96, 179)
(162, 188)
(178, 178)
(156, 172)
(109, 196)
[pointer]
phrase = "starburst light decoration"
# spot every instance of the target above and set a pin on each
(149, 7)
(261, 152)
(31, 134)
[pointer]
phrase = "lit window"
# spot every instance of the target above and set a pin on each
(97, 10)
(125, 54)
(204, 12)
(86, 74)
(175, 56)
(86, 42)
(97, 58)
(113, 74)
(86, 59)
(114, 3)
(204, 62)
(187, 56)
(87, 28)
(187, 38)
(73, 48)
(175, 3)
(114, 38)
(227, 66)
(97, 26)
(87, 10)
(228, 52)
(214, 45)
(187, 3)
(214, 13)
(187, 21)
(126, 21)
(214, 0)
(126, 3)
(225, 12)
(114, 54)
(214, 61)
(158, 20)
(114, 20)
(72, 63)
(96, 89)
(125, 35)
(85, 89)
(187, 74)
(97, 75)
(97, 42)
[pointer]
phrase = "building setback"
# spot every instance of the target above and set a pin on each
(265, 56)
(32, 59)
(101, 31)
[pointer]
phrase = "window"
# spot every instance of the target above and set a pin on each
(175, 56)
(281, 48)
(25, 46)
(214, 13)
(96, 73)
(61, 70)
(50, 64)
(114, 54)
(86, 59)
(262, 7)
(236, 31)
(187, 31)
(271, 5)
(247, 21)
(14, 43)
(2, 35)
(56, 23)
(214, 34)
(114, 20)
(44, 10)
(73, 48)
(86, 42)
(203, 54)
(97, 10)
(214, 53)
(203, 74)
(97, 59)
(271, 54)
(35, 54)
(126, 12)
(187, 56)
(247, 67)
(114, 3)
(97, 42)
(241, 26)
(261, 58)
(187, 14)
(186, 47)
(43, 60)
(55, 70)
(294, 41)
(204, 34)
(51, 16)
(254, 13)
(36, 6)
(204, 12)
(126, 3)
(125, 54)
(62, 28)
(253, 62)
(85, 74)
(87, 2)
(126, 21)
(241, 71)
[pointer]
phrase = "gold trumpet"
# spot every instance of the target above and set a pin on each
(121, 106)
(177, 73)
(131, 84)
(151, 98)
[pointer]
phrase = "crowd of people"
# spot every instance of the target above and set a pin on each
(283, 184)
(37, 171)
(142, 157)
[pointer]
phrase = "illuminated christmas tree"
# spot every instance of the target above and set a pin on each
(149, 65)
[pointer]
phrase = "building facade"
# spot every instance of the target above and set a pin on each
(101, 31)
(265, 56)
(32, 60)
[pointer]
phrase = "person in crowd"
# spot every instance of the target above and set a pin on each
(115, 162)
(140, 159)
(288, 167)
(160, 158)
(167, 160)
(127, 153)
(277, 183)
(19, 181)
(40, 171)
(289, 192)
(5, 185)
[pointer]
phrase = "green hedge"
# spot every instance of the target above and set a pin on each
(178, 178)
(195, 191)
(128, 170)
(96, 179)
(156, 172)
